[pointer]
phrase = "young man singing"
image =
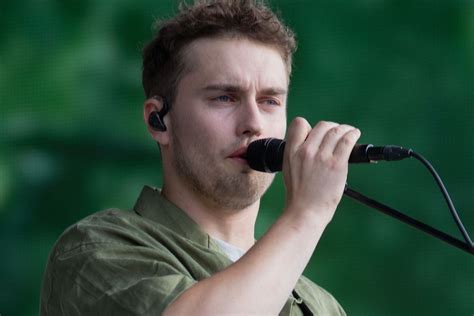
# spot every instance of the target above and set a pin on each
(216, 78)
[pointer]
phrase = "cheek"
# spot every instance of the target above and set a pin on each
(203, 133)
(282, 128)
(278, 126)
(202, 130)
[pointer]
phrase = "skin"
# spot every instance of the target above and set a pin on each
(221, 106)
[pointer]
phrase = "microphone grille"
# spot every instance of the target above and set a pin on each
(266, 154)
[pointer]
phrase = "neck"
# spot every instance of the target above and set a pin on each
(235, 226)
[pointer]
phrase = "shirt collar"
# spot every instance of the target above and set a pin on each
(154, 206)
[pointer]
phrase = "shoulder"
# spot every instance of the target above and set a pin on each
(107, 226)
(111, 227)
(115, 262)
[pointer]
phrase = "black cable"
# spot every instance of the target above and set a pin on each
(467, 246)
(408, 220)
(451, 207)
(266, 155)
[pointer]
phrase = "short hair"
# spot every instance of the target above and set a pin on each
(164, 58)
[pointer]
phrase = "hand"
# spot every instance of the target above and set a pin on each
(315, 166)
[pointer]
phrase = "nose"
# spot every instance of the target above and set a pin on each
(250, 122)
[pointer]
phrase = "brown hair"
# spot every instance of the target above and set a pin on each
(163, 57)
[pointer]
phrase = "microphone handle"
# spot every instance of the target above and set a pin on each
(267, 154)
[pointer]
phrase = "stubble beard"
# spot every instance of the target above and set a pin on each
(226, 189)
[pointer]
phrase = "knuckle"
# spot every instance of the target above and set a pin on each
(321, 124)
(325, 124)
(300, 122)
(346, 140)
(333, 164)
(350, 137)
(305, 153)
(337, 130)
(322, 158)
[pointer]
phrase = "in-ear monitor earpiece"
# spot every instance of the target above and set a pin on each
(155, 120)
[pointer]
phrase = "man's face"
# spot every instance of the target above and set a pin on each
(234, 91)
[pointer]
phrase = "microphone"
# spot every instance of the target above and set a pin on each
(266, 154)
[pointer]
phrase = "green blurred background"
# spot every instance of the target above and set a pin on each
(72, 140)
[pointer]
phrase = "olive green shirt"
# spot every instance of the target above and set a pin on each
(136, 263)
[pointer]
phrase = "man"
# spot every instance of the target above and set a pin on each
(216, 78)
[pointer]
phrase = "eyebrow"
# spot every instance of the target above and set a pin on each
(236, 88)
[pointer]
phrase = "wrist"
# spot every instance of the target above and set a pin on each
(303, 218)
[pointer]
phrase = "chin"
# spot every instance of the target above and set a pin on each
(242, 193)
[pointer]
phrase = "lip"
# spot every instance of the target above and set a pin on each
(239, 154)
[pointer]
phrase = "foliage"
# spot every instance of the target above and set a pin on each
(72, 139)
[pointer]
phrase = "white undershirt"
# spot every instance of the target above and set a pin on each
(234, 253)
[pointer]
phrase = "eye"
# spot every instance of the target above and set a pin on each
(224, 98)
(272, 102)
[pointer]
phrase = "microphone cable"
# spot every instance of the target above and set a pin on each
(266, 155)
(467, 246)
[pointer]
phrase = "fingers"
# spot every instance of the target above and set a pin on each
(326, 139)
(318, 133)
(339, 141)
(297, 134)
(316, 165)
(346, 143)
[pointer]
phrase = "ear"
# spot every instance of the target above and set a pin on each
(151, 105)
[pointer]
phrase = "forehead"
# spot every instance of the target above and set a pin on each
(235, 60)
